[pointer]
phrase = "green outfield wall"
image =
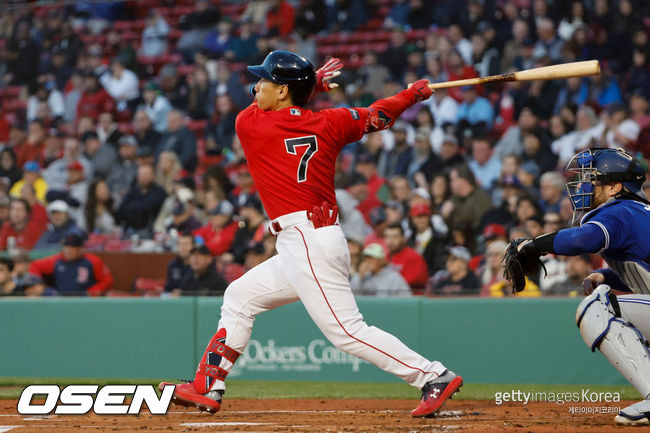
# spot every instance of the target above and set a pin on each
(531, 341)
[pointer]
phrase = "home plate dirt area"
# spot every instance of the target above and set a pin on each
(335, 415)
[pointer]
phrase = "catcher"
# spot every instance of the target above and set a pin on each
(614, 221)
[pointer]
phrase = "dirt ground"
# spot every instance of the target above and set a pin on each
(344, 415)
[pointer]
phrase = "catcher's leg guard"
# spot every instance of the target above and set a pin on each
(598, 317)
(215, 365)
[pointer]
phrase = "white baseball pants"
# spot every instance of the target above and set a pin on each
(313, 265)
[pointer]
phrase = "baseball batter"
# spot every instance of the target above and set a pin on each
(616, 225)
(291, 153)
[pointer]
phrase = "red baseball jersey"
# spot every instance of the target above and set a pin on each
(291, 153)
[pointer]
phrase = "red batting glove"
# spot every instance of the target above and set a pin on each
(323, 216)
(328, 71)
(421, 90)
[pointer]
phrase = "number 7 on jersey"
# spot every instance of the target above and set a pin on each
(312, 148)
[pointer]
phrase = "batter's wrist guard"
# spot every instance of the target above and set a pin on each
(210, 368)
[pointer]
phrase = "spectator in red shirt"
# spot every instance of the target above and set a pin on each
(280, 17)
(220, 230)
(407, 261)
(21, 226)
(377, 189)
(73, 271)
(31, 148)
(94, 99)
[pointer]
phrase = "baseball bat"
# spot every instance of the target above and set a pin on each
(554, 72)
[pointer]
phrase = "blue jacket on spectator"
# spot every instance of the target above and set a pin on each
(479, 111)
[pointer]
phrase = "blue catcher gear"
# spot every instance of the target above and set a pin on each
(606, 166)
(291, 69)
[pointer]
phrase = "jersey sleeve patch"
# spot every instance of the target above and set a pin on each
(354, 113)
(295, 112)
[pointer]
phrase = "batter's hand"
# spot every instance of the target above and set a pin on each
(421, 90)
(329, 70)
(590, 283)
(323, 216)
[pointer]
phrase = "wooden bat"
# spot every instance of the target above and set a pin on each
(554, 72)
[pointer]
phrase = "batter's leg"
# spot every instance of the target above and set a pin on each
(317, 266)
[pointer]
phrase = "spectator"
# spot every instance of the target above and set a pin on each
(552, 191)
(103, 157)
(99, 212)
(123, 174)
(38, 210)
(33, 286)
(458, 69)
(376, 277)
(475, 112)
(94, 99)
(512, 141)
(143, 131)
(155, 105)
(378, 223)
(139, 208)
(251, 228)
(180, 140)
(107, 129)
(492, 271)
(396, 160)
(53, 149)
(73, 271)
(538, 151)
(394, 56)
(31, 176)
(280, 18)
(218, 42)
(203, 278)
(468, 203)
(182, 191)
(444, 109)
(154, 35)
(7, 283)
(21, 54)
(221, 128)
(56, 174)
(227, 83)
(428, 239)
(51, 97)
(8, 168)
(620, 131)
(75, 191)
(60, 223)
(173, 86)
(351, 219)
(372, 75)
(168, 170)
(219, 232)
(450, 153)
(244, 187)
(31, 148)
(548, 44)
(484, 164)
(244, 45)
(199, 104)
(369, 188)
(405, 259)
(21, 226)
(457, 279)
(195, 28)
(424, 161)
(120, 83)
(183, 219)
(513, 47)
(179, 267)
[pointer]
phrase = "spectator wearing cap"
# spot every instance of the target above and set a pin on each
(468, 203)
(31, 176)
(183, 219)
(428, 238)
(155, 105)
(255, 254)
(173, 85)
(405, 259)
(99, 212)
(122, 175)
(8, 168)
(219, 232)
(144, 156)
(484, 164)
(7, 282)
(107, 129)
(457, 279)
(251, 227)
(94, 99)
(60, 223)
(450, 153)
(21, 226)
(527, 176)
(179, 267)
(371, 187)
(376, 277)
(74, 271)
(143, 131)
(551, 191)
(30, 149)
(180, 140)
(395, 161)
(56, 174)
(512, 142)
(103, 157)
(75, 191)
(139, 208)
(203, 278)
(154, 35)
(120, 83)
(475, 112)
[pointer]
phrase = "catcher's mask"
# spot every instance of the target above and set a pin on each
(606, 166)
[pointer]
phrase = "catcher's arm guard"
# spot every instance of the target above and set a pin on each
(521, 259)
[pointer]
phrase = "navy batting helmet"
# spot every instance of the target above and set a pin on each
(285, 67)
(604, 165)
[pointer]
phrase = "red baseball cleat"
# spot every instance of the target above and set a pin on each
(436, 392)
(186, 395)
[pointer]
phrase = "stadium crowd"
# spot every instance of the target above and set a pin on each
(117, 134)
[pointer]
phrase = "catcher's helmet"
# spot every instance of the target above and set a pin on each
(604, 165)
(285, 67)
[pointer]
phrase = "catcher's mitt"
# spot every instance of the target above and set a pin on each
(521, 262)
